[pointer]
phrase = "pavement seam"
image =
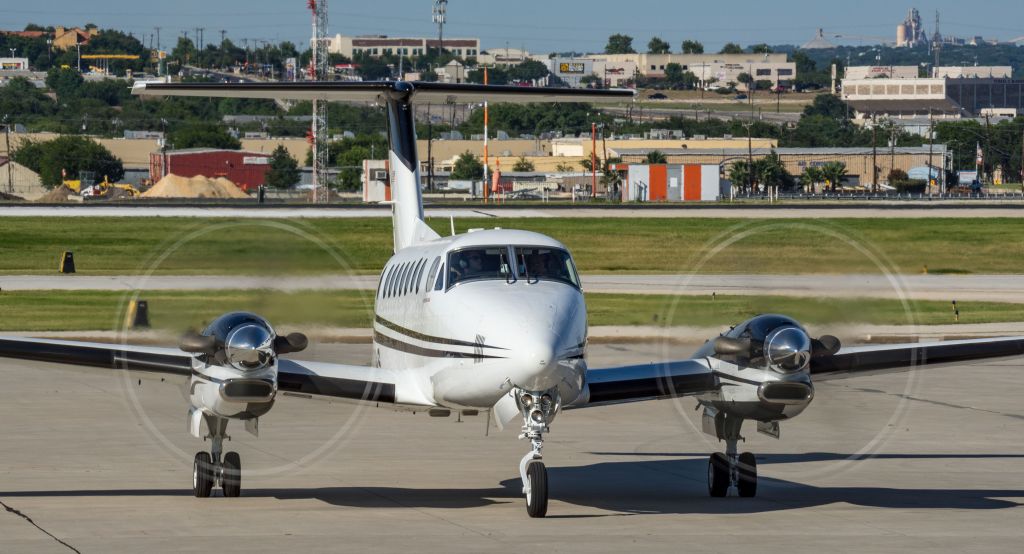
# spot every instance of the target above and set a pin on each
(36, 525)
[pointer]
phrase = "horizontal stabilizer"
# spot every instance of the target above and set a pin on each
(370, 91)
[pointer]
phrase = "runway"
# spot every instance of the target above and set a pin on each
(978, 288)
(906, 210)
(879, 463)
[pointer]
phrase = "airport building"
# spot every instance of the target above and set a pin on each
(952, 93)
(383, 45)
(13, 64)
(913, 160)
(248, 170)
(722, 68)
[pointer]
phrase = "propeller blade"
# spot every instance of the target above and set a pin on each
(294, 342)
(195, 343)
(726, 346)
(826, 345)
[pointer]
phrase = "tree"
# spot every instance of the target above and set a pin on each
(530, 70)
(827, 105)
(564, 168)
(619, 44)
(761, 49)
(692, 47)
(731, 48)
(522, 164)
(834, 173)
(203, 135)
(284, 169)
(739, 174)
(657, 46)
(68, 155)
(467, 168)
(810, 178)
(770, 172)
(65, 82)
(656, 157)
(676, 77)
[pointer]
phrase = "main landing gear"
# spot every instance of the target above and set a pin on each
(538, 409)
(208, 469)
(728, 469)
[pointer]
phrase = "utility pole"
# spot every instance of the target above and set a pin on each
(750, 158)
(10, 158)
(593, 160)
(487, 134)
(931, 143)
(874, 155)
(157, 37)
(223, 33)
(988, 145)
(1022, 163)
(430, 151)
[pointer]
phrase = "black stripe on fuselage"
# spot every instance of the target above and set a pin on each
(428, 338)
(395, 344)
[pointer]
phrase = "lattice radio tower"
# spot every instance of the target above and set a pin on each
(440, 17)
(318, 72)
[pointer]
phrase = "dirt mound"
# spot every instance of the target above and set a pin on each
(175, 186)
(10, 197)
(56, 196)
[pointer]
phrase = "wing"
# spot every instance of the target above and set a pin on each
(295, 378)
(634, 383)
(888, 358)
(370, 91)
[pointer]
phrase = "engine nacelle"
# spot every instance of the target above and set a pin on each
(763, 368)
(234, 365)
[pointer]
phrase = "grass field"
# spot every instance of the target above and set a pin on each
(188, 246)
(178, 310)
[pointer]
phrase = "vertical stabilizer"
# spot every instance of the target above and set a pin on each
(406, 196)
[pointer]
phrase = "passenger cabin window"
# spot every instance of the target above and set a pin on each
(388, 281)
(419, 275)
(545, 264)
(478, 264)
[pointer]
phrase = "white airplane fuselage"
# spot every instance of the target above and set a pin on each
(469, 342)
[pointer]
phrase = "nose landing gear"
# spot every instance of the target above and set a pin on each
(538, 409)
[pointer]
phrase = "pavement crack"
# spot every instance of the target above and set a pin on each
(18, 513)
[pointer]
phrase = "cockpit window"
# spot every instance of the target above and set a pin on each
(474, 264)
(545, 264)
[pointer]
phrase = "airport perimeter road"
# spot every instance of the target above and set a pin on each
(911, 210)
(876, 464)
(991, 288)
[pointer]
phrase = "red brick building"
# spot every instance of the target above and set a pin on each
(248, 170)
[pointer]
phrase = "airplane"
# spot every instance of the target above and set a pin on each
(487, 321)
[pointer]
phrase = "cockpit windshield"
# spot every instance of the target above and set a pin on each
(482, 263)
(545, 264)
(532, 264)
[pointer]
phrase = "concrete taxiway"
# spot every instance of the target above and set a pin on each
(991, 288)
(931, 460)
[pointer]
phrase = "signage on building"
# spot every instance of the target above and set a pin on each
(255, 160)
(571, 67)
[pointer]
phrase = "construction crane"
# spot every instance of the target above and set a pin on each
(318, 72)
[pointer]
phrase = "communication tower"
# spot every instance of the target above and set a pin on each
(440, 17)
(318, 72)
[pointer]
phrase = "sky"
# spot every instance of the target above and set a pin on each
(541, 26)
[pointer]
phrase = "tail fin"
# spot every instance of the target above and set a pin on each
(409, 227)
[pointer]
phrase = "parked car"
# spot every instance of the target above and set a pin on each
(741, 97)
(656, 96)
